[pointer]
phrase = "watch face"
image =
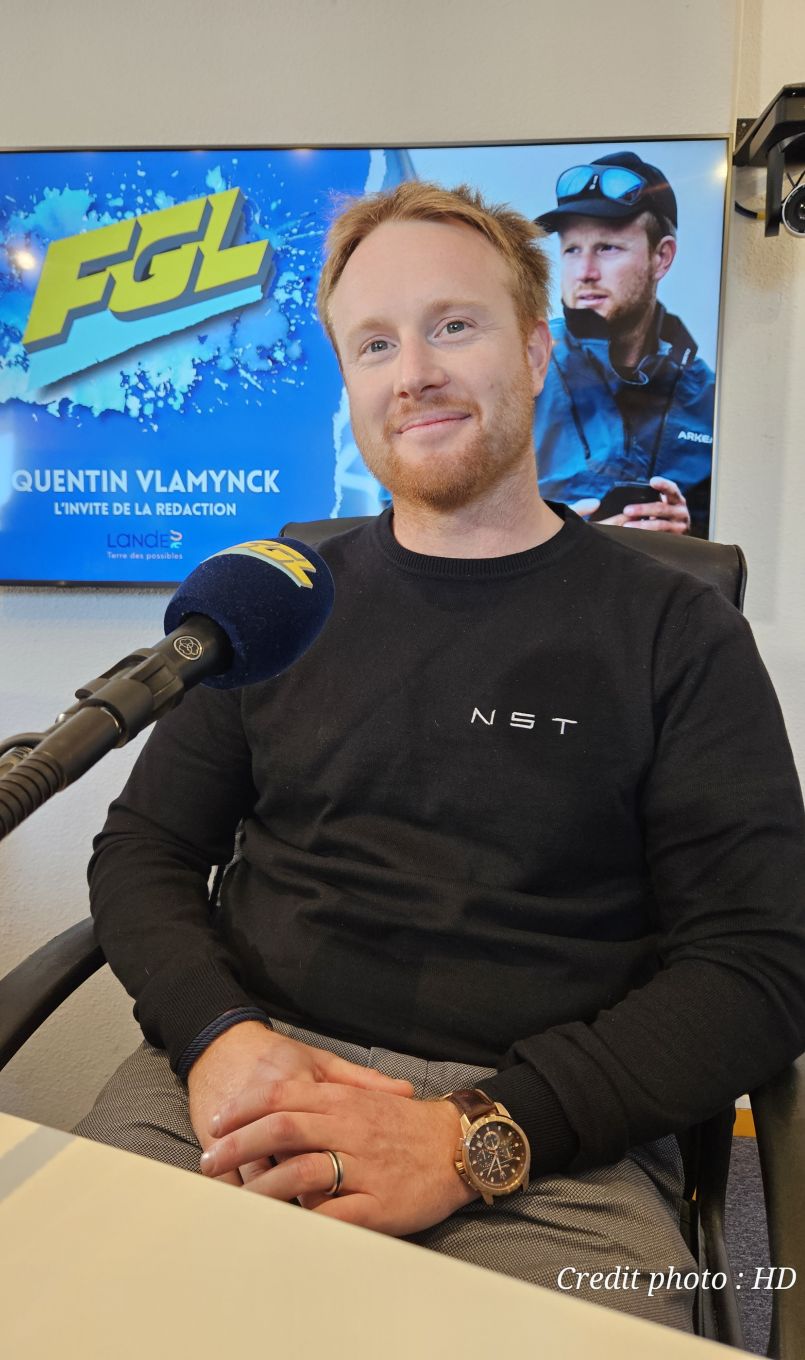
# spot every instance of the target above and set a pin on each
(497, 1155)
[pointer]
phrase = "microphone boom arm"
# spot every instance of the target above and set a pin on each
(111, 710)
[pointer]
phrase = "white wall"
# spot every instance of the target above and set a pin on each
(761, 484)
(379, 71)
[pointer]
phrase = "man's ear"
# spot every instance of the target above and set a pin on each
(538, 348)
(664, 256)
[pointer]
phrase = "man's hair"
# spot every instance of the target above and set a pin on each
(656, 227)
(514, 236)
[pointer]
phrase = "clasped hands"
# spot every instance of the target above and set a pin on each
(265, 1108)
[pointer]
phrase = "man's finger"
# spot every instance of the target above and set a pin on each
(349, 1074)
(657, 526)
(306, 1177)
(312, 1097)
(657, 510)
(647, 508)
(668, 488)
(250, 1171)
(587, 506)
(280, 1132)
(230, 1178)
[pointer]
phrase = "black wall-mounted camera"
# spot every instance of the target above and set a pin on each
(777, 138)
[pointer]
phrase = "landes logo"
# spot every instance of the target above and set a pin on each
(141, 278)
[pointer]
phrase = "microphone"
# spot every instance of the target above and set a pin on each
(243, 616)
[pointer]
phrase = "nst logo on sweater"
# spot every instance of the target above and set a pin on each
(103, 291)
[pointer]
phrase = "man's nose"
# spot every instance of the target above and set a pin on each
(588, 267)
(419, 367)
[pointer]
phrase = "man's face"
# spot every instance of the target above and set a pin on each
(441, 380)
(607, 268)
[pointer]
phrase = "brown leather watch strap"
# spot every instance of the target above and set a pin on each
(473, 1104)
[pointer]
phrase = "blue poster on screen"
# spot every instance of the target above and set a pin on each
(166, 389)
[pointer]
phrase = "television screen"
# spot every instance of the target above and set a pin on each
(166, 389)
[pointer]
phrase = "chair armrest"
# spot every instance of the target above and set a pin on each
(714, 1146)
(779, 1113)
(38, 985)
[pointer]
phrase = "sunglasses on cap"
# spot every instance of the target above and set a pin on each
(615, 182)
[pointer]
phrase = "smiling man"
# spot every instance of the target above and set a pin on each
(628, 404)
(441, 388)
(516, 893)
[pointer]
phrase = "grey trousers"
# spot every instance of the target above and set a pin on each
(557, 1234)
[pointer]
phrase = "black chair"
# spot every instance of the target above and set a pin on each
(33, 990)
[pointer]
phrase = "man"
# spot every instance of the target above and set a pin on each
(627, 402)
(507, 835)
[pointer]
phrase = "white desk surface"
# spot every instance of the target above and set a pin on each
(106, 1254)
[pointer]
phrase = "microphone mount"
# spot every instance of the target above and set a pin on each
(111, 710)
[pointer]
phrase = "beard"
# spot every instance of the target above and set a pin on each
(629, 310)
(632, 313)
(479, 461)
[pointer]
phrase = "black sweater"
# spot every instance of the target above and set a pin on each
(536, 812)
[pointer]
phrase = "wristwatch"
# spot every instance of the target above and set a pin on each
(493, 1155)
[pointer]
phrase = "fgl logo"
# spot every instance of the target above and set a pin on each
(104, 291)
(281, 555)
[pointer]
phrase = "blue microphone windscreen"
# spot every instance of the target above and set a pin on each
(271, 597)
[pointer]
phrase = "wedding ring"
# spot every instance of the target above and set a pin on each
(338, 1173)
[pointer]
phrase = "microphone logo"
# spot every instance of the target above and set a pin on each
(293, 563)
(188, 647)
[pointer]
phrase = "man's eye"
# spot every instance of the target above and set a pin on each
(450, 324)
(370, 348)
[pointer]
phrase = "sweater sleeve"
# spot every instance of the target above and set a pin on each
(149, 873)
(724, 836)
